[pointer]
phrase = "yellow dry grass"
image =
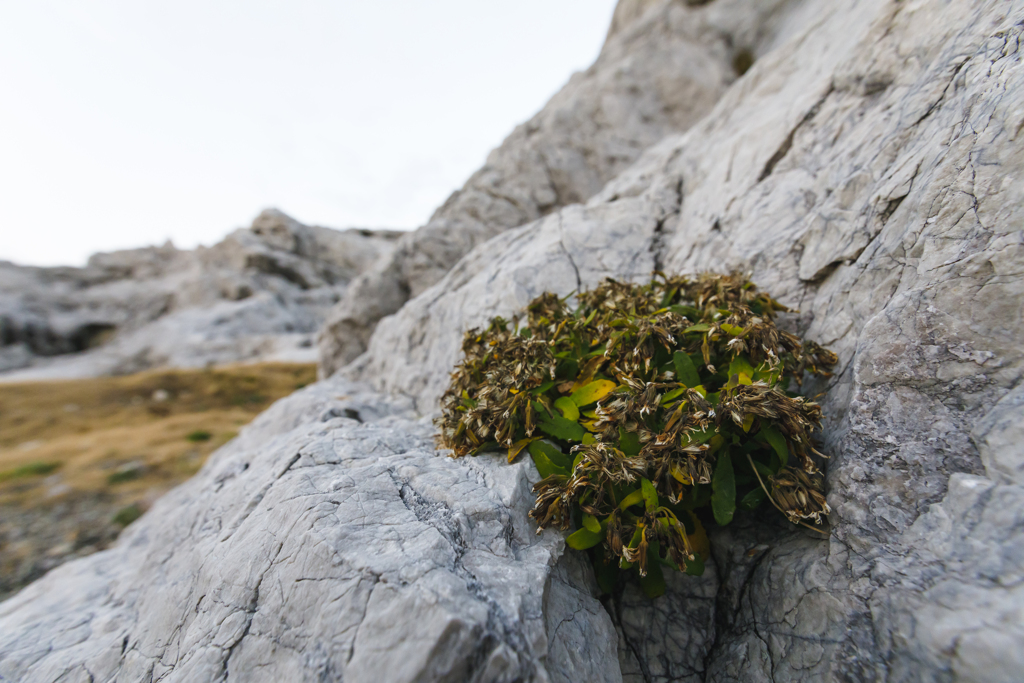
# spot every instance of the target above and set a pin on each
(129, 438)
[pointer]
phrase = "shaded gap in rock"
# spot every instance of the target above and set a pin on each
(742, 61)
(613, 605)
(568, 255)
(658, 238)
(890, 208)
(784, 148)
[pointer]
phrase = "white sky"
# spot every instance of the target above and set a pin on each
(128, 122)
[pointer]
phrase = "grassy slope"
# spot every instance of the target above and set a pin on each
(80, 458)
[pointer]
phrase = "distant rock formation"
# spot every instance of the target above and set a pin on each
(865, 170)
(261, 293)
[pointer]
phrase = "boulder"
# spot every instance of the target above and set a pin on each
(260, 294)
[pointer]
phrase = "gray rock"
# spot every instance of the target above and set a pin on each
(328, 542)
(260, 294)
(999, 436)
(661, 70)
(863, 172)
(866, 171)
(667, 639)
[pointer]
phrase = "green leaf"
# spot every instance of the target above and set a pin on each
(564, 429)
(607, 573)
(695, 567)
(717, 441)
(650, 495)
(517, 448)
(777, 442)
(741, 366)
(583, 539)
(672, 395)
(629, 442)
(688, 522)
(734, 330)
(545, 467)
(723, 485)
(764, 470)
(588, 439)
(567, 369)
(542, 389)
(687, 311)
(540, 453)
(638, 534)
(703, 436)
(552, 453)
(577, 459)
(590, 522)
(632, 499)
(484, 447)
(699, 496)
(568, 408)
(653, 584)
(699, 327)
(686, 372)
(753, 500)
(767, 376)
(592, 392)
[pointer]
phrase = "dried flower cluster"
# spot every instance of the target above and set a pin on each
(646, 409)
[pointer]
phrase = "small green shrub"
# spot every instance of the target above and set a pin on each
(127, 515)
(199, 435)
(649, 411)
(32, 469)
(127, 472)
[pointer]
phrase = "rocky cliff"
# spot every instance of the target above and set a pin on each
(867, 171)
(260, 294)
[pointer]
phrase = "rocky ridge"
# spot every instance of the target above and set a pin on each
(259, 294)
(865, 171)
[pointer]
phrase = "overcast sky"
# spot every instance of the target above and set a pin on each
(127, 122)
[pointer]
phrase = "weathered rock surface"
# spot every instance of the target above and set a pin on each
(328, 542)
(261, 293)
(867, 171)
(663, 67)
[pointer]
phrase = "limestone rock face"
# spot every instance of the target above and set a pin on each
(328, 542)
(261, 293)
(867, 171)
(661, 70)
